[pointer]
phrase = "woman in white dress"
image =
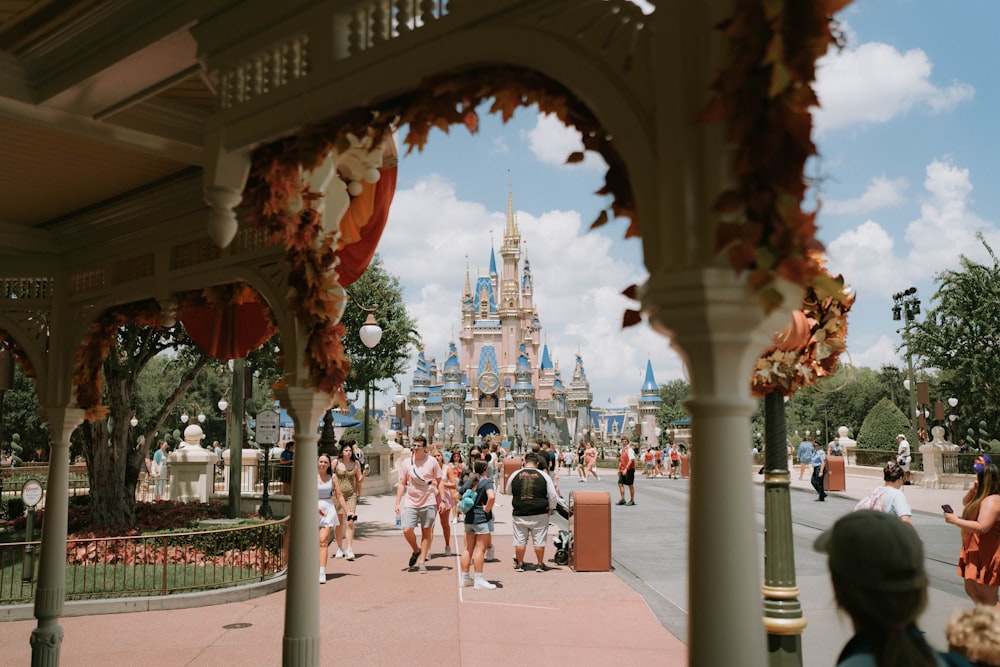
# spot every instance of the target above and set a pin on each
(328, 489)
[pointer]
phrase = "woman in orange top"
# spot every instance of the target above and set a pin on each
(979, 559)
(589, 461)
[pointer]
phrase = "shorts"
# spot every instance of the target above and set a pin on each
(627, 478)
(425, 517)
(674, 464)
(537, 525)
(478, 528)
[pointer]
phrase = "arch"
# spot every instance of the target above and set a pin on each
(28, 346)
(487, 428)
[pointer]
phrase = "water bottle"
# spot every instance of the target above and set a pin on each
(398, 520)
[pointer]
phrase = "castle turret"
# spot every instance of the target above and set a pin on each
(649, 407)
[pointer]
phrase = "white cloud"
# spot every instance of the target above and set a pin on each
(552, 142)
(432, 235)
(946, 227)
(864, 255)
(882, 192)
(875, 83)
(881, 353)
(871, 262)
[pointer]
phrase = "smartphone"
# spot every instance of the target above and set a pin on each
(947, 509)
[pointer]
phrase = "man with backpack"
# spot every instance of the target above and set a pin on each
(533, 497)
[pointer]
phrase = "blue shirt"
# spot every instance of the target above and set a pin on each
(818, 457)
(805, 451)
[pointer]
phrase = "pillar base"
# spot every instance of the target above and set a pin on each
(45, 646)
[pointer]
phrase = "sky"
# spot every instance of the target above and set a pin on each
(907, 156)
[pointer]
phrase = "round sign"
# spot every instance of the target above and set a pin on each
(31, 492)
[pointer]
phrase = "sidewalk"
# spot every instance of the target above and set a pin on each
(374, 612)
(858, 486)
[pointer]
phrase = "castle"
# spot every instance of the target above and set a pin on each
(500, 379)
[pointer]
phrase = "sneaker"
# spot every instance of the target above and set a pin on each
(483, 585)
(339, 554)
(620, 502)
(322, 575)
(464, 581)
(349, 555)
(413, 559)
(422, 569)
(540, 568)
(581, 480)
(631, 502)
(518, 567)
(447, 551)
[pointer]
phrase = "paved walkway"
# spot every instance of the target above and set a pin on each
(374, 612)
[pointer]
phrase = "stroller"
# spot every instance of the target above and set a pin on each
(563, 543)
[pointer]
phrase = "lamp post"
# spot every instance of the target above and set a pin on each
(371, 334)
(953, 403)
(905, 307)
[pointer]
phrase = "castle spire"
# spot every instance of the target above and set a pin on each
(511, 228)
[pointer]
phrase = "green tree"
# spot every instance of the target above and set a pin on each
(381, 294)
(20, 415)
(113, 449)
(673, 394)
(959, 338)
(880, 427)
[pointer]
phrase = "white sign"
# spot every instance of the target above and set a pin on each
(31, 492)
(268, 428)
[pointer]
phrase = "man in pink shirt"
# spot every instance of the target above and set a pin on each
(421, 480)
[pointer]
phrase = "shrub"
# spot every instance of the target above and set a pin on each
(13, 509)
(881, 426)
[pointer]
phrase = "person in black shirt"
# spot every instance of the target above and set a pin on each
(533, 497)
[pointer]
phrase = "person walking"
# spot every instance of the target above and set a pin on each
(805, 456)
(420, 481)
(889, 497)
(444, 508)
(328, 490)
(818, 460)
(589, 462)
(979, 558)
(580, 465)
(349, 477)
(626, 472)
(477, 528)
(533, 497)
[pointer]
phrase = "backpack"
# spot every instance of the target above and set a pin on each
(873, 501)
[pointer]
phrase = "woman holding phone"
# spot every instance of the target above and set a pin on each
(979, 559)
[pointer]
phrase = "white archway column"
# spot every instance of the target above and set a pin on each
(50, 595)
(717, 325)
(300, 642)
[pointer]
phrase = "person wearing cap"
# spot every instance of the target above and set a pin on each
(877, 570)
(818, 470)
(903, 457)
(626, 472)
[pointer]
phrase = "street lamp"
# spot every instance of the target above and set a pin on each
(905, 307)
(371, 334)
(953, 403)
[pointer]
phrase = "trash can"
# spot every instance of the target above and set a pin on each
(590, 531)
(835, 479)
(685, 465)
(510, 466)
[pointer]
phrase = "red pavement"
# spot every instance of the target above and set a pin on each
(374, 612)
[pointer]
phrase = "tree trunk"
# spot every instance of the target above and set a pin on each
(114, 454)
